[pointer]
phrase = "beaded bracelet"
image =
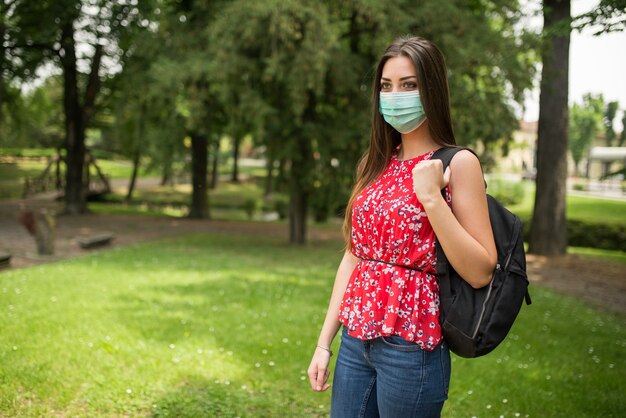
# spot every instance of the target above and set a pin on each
(327, 349)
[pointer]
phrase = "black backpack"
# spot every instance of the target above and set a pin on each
(475, 321)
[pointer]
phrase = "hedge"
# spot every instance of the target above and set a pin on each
(590, 234)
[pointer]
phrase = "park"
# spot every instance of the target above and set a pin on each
(173, 186)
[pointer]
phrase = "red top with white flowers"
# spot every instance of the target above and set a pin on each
(393, 290)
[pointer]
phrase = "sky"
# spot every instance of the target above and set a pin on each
(597, 64)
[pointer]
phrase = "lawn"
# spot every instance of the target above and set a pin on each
(224, 325)
(12, 175)
(590, 209)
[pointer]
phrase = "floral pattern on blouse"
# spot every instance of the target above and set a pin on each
(393, 290)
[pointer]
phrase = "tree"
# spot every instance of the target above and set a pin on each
(58, 32)
(610, 111)
(279, 60)
(584, 122)
(308, 67)
(548, 233)
(607, 16)
(622, 136)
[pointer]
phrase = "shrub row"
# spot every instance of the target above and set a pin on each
(590, 234)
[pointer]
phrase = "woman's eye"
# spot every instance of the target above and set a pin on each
(409, 85)
(385, 86)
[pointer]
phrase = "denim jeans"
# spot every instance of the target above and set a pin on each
(389, 377)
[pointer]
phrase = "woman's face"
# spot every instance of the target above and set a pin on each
(398, 75)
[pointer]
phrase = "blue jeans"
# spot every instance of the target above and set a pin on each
(389, 377)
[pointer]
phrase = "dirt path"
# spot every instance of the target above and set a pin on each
(603, 283)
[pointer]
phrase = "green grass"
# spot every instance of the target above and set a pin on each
(614, 256)
(228, 201)
(17, 171)
(13, 174)
(596, 209)
(224, 325)
(27, 152)
(591, 209)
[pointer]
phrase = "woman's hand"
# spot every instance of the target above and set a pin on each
(318, 370)
(428, 180)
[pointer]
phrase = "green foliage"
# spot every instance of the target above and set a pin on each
(596, 235)
(252, 206)
(622, 136)
(281, 206)
(311, 93)
(507, 192)
(610, 112)
(584, 122)
(607, 16)
(224, 325)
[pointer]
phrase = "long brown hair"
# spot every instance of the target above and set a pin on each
(432, 83)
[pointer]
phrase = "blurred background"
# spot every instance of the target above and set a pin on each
(108, 101)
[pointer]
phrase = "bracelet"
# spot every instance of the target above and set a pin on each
(327, 349)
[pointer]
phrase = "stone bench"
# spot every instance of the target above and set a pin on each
(94, 241)
(5, 259)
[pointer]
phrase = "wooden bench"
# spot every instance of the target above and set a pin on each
(93, 241)
(5, 259)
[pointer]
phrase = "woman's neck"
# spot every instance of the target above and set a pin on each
(417, 142)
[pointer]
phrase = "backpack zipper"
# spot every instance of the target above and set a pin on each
(482, 311)
(498, 268)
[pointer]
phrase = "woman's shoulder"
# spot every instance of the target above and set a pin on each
(465, 159)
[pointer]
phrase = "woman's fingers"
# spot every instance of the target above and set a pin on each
(318, 375)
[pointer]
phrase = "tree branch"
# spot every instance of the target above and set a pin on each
(93, 85)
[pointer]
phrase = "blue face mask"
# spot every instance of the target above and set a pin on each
(402, 110)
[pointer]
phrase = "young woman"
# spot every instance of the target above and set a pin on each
(392, 360)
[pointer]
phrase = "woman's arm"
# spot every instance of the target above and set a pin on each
(318, 370)
(465, 232)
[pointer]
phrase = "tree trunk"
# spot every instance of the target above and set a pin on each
(166, 175)
(548, 233)
(199, 161)
(269, 180)
(215, 165)
(133, 177)
(235, 175)
(74, 131)
(2, 63)
(280, 182)
(297, 203)
(301, 168)
(141, 127)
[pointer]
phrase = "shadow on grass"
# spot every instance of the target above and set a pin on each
(196, 396)
(253, 312)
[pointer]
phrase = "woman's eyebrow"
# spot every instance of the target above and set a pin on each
(401, 79)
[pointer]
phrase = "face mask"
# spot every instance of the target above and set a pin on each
(402, 110)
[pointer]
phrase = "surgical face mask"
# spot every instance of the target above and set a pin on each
(402, 110)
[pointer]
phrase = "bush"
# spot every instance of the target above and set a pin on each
(507, 192)
(596, 235)
(590, 234)
(281, 205)
(251, 206)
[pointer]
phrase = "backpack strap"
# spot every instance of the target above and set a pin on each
(446, 154)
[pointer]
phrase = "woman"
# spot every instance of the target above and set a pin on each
(392, 360)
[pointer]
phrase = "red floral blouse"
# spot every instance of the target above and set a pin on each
(393, 290)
